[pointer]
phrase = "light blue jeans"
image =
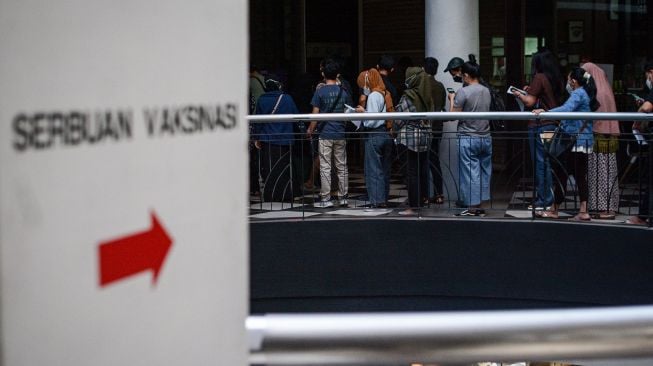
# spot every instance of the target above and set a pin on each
(474, 168)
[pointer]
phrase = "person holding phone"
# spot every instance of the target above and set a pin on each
(544, 91)
(474, 141)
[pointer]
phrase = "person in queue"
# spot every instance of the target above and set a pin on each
(474, 140)
(582, 98)
(544, 91)
(439, 99)
(644, 127)
(602, 169)
(415, 136)
(274, 140)
(378, 143)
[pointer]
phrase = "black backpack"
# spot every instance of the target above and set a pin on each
(497, 104)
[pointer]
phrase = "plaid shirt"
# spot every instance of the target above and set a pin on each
(414, 134)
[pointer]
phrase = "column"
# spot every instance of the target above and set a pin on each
(451, 30)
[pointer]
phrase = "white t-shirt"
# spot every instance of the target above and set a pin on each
(375, 104)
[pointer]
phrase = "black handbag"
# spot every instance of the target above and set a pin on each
(559, 141)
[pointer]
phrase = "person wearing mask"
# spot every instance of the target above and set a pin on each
(474, 140)
(582, 98)
(415, 136)
(385, 66)
(544, 91)
(646, 164)
(274, 141)
(378, 144)
(602, 170)
(331, 98)
(454, 67)
(439, 98)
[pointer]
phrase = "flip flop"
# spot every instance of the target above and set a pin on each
(578, 218)
(546, 215)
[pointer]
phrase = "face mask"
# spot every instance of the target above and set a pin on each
(458, 79)
(569, 88)
(366, 91)
(649, 84)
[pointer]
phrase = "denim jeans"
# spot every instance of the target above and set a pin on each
(541, 166)
(378, 150)
(474, 168)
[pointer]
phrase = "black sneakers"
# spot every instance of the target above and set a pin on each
(472, 212)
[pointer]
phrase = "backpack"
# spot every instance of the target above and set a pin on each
(497, 104)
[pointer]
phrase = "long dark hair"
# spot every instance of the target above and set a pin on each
(472, 68)
(585, 80)
(545, 62)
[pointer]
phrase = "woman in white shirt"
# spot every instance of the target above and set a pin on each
(378, 143)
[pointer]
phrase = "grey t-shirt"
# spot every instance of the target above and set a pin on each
(473, 98)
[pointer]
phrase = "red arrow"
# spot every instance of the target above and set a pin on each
(132, 254)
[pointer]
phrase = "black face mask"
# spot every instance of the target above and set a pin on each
(458, 79)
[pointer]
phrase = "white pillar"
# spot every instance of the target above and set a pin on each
(451, 31)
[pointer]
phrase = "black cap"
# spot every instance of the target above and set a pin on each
(455, 63)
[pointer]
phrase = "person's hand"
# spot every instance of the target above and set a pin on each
(309, 132)
(257, 144)
(639, 102)
(637, 125)
(537, 111)
(360, 109)
(451, 96)
(526, 88)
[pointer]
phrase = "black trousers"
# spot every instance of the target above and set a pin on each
(434, 165)
(417, 173)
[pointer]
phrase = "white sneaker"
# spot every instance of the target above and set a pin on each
(324, 204)
(343, 202)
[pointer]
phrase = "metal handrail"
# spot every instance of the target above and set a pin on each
(451, 337)
(451, 116)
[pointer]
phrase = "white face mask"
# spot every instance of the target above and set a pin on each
(649, 84)
(569, 88)
(366, 89)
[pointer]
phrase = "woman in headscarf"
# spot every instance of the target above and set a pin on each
(415, 135)
(378, 143)
(603, 177)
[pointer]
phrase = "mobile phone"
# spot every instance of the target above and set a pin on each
(450, 90)
(350, 107)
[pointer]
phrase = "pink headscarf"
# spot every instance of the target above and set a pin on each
(605, 96)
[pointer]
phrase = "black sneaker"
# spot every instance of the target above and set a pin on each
(472, 212)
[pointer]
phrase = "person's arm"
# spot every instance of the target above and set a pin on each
(647, 107)
(456, 101)
(570, 105)
(528, 100)
(535, 88)
(313, 125)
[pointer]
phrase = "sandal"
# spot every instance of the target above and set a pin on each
(580, 217)
(546, 214)
(603, 216)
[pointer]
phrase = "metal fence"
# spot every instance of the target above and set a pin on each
(286, 176)
(451, 338)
